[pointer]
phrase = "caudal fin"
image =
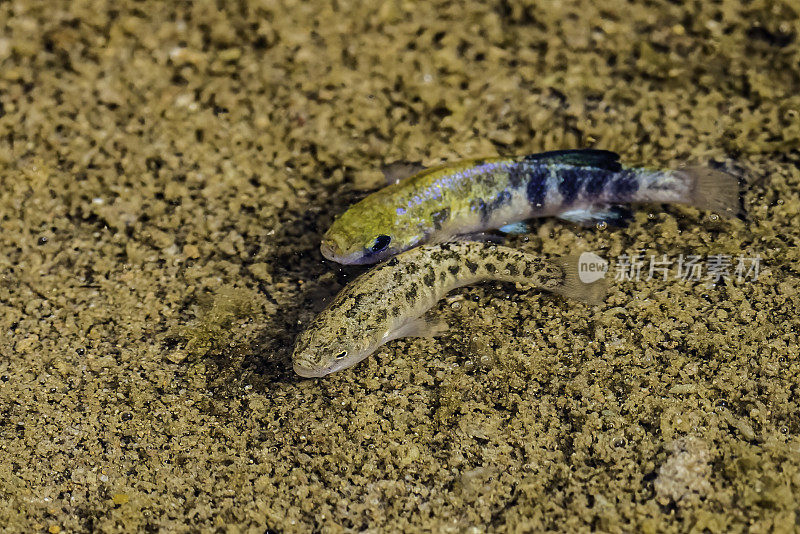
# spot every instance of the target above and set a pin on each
(714, 190)
(592, 293)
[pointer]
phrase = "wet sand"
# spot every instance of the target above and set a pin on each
(166, 173)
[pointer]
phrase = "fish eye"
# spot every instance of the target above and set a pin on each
(341, 355)
(380, 243)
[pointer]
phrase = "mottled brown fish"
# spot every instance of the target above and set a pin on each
(388, 302)
(466, 197)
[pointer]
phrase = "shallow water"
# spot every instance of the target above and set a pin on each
(167, 172)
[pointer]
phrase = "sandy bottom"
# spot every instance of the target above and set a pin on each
(166, 173)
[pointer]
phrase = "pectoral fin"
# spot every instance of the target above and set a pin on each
(421, 327)
(400, 170)
(613, 215)
(521, 227)
(477, 237)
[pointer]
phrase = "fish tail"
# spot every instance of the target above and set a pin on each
(571, 286)
(714, 190)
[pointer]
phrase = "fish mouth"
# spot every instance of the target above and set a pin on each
(307, 372)
(329, 250)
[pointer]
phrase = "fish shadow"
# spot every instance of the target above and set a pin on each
(298, 263)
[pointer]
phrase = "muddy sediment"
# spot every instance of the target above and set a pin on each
(166, 172)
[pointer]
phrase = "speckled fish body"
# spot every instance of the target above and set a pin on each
(388, 301)
(477, 195)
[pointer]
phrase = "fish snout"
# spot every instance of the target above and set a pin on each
(306, 367)
(303, 371)
(330, 249)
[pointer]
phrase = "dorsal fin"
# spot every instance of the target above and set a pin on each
(584, 157)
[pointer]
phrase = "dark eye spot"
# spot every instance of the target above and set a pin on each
(380, 243)
(341, 355)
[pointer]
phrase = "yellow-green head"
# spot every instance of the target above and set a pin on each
(379, 226)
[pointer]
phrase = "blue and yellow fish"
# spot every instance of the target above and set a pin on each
(584, 186)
